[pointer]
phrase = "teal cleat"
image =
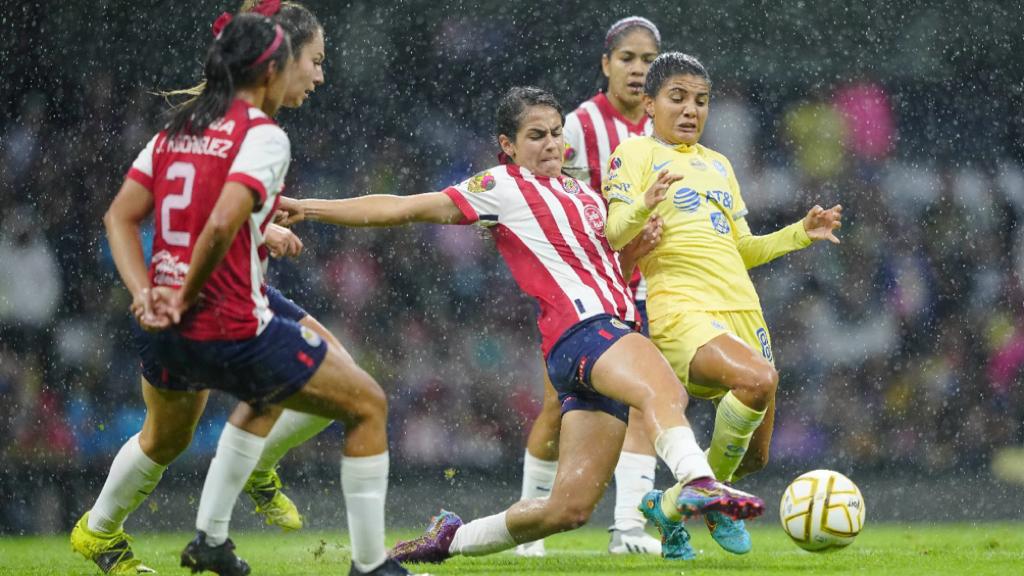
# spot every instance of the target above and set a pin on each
(675, 540)
(730, 534)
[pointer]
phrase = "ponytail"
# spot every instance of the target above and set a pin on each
(239, 57)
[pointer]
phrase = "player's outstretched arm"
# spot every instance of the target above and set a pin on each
(375, 210)
(641, 245)
(819, 224)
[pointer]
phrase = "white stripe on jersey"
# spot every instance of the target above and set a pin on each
(258, 266)
(561, 219)
(603, 149)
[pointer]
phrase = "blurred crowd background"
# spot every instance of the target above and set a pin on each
(901, 350)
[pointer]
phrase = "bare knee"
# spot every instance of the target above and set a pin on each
(369, 402)
(164, 448)
(759, 383)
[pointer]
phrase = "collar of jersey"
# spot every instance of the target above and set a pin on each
(684, 148)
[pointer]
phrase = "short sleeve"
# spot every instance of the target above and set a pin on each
(481, 199)
(575, 154)
(142, 169)
(262, 161)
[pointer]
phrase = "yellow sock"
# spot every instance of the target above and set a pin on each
(668, 502)
(735, 423)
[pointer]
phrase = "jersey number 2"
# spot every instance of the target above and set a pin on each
(178, 171)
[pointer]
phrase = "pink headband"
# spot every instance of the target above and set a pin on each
(629, 22)
(278, 38)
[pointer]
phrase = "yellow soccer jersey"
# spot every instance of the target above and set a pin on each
(706, 246)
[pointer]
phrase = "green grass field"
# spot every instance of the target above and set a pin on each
(881, 549)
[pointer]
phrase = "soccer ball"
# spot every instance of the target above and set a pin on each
(822, 510)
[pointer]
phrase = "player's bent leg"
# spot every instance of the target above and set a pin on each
(588, 450)
(342, 391)
(540, 462)
(634, 477)
(756, 458)
(171, 418)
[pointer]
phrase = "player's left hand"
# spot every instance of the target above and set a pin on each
(821, 224)
(648, 239)
(283, 242)
(147, 309)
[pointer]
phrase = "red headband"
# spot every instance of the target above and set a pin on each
(267, 8)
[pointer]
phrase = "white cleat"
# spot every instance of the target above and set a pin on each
(633, 541)
(533, 549)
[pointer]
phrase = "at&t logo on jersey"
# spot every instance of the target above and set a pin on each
(686, 200)
(720, 223)
(766, 346)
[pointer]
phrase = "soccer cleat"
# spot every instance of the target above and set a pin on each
(633, 541)
(709, 495)
(533, 549)
(675, 540)
(199, 556)
(264, 488)
(390, 567)
(730, 534)
(433, 545)
(112, 553)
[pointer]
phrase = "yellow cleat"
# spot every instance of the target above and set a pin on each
(111, 552)
(264, 488)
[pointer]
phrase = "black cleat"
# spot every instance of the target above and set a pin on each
(390, 567)
(199, 556)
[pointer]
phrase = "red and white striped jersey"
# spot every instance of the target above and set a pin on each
(592, 132)
(186, 174)
(551, 233)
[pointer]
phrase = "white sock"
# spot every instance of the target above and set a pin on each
(538, 477)
(678, 448)
(237, 453)
(364, 483)
(634, 477)
(131, 478)
(290, 430)
(481, 537)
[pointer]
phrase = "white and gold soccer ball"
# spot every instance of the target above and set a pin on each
(822, 510)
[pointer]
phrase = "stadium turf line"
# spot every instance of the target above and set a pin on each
(933, 549)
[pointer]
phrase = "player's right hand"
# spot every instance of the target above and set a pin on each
(289, 211)
(147, 307)
(659, 190)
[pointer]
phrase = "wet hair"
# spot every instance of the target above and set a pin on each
(672, 64)
(297, 21)
(514, 103)
(236, 59)
(617, 32)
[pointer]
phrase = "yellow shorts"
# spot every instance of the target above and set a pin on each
(678, 336)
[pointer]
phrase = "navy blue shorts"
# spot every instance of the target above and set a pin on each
(283, 306)
(572, 359)
(261, 370)
(641, 309)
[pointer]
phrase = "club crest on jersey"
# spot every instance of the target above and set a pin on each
(720, 168)
(686, 200)
(698, 164)
(570, 152)
(571, 186)
(766, 346)
(482, 182)
(594, 219)
(720, 223)
(311, 338)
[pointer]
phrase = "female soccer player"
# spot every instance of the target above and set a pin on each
(592, 132)
(212, 178)
(705, 316)
(550, 231)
